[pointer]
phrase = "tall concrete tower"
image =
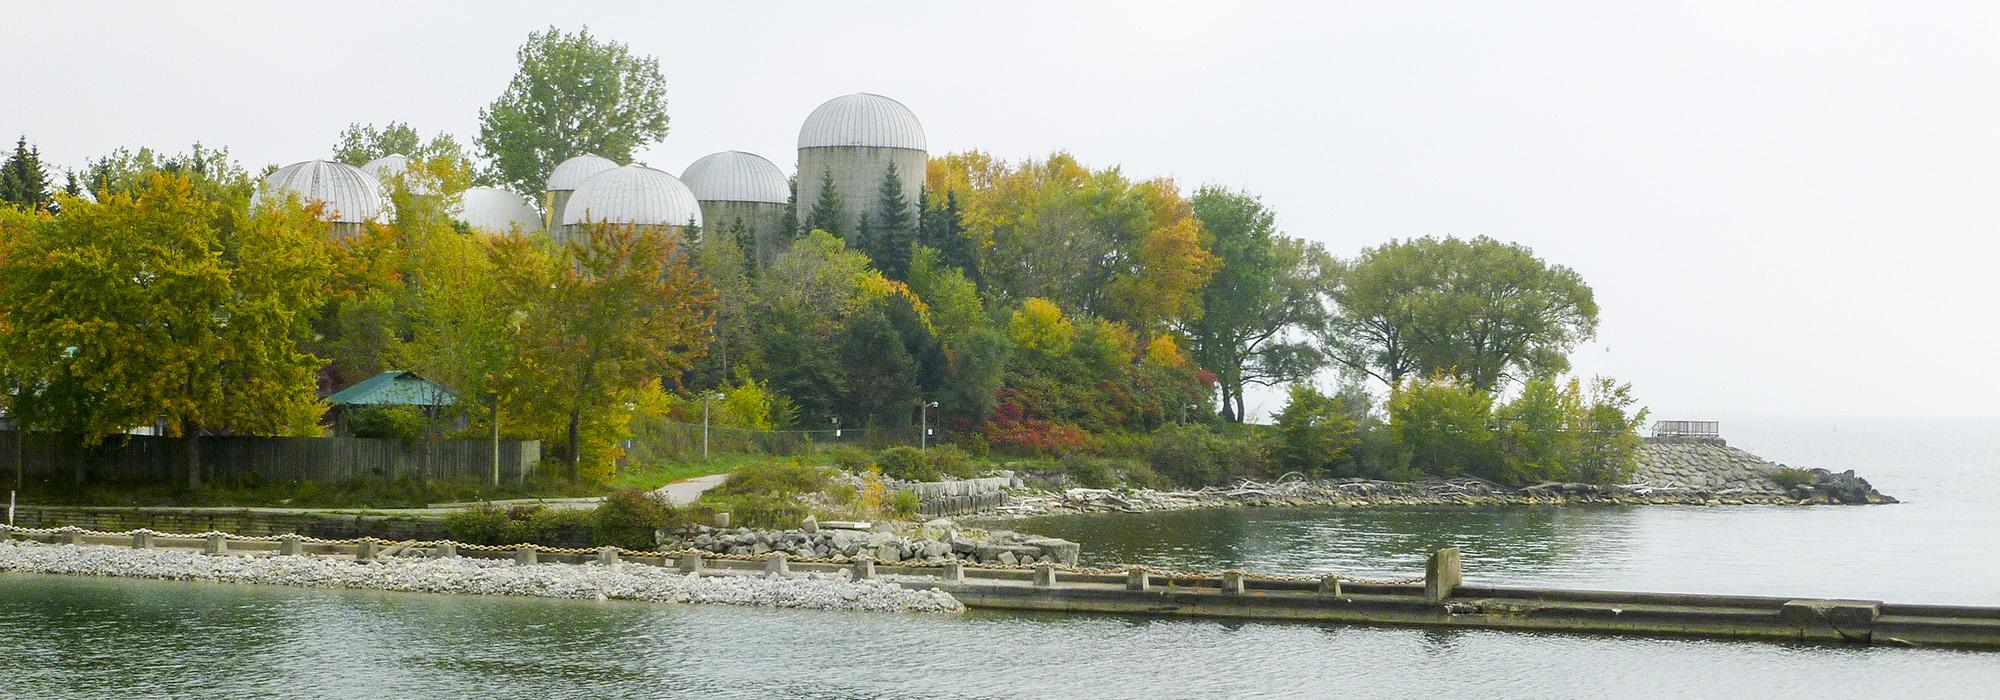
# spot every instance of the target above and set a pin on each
(634, 194)
(565, 179)
(854, 139)
(733, 187)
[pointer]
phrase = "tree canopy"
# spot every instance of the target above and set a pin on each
(573, 94)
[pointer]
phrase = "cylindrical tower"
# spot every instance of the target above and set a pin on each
(854, 139)
(396, 165)
(491, 210)
(563, 181)
(633, 194)
(742, 188)
(350, 197)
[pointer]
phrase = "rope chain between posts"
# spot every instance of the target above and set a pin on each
(706, 554)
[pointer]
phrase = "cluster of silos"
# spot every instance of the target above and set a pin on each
(738, 189)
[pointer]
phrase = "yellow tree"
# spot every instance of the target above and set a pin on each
(145, 308)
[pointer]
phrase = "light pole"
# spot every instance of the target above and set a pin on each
(924, 425)
(704, 421)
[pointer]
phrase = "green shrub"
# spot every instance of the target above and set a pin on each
(904, 504)
(771, 478)
(951, 461)
(518, 525)
(761, 510)
(628, 517)
(1788, 477)
(1196, 455)
(849, 458)
(403, 423)
(905, 463)
(1103, 472)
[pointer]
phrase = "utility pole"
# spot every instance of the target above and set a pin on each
(493, 401)
(924, 425)
(704, 421)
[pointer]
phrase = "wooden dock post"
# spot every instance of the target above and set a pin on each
(1442, 574)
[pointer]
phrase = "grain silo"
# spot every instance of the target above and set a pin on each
(350, 197)
(633, 194)
(396, 165)
(491, 210)
(563, 181)
(742, 188)
(854, 139)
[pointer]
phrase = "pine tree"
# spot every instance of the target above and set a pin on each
(942, 229)
(893, 231)
(23, 183)
(827, 213)
(791, 223)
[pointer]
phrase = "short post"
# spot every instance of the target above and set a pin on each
(215, 543)
(1136, 579)
(445, 550)
(607, 556)
(364, 550)
(290, 546)
(525, 554)
(864, 568)
(1045, 575)
(721, 521)
(690, 563)
(954, 572)
(1232, 582)
(774, 565)
(142, 539)
(1330, 585)
(1442, 575)
(72, 535)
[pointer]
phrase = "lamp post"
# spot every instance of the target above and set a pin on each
(924, 425)
(704, 420)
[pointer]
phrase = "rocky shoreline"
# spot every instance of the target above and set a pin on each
(461, 575)
(934, 541)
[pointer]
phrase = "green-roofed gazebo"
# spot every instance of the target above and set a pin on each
(391, 388)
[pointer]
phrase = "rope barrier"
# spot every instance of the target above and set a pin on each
(706, 554)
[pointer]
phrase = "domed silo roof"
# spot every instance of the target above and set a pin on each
(349, 195)
(395, 165)
(862, 119)
(571, 174)
(735, 176)
(634, 194)
(495, 210)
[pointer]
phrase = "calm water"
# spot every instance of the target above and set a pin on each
(69, 637)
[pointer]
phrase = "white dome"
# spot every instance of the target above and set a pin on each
(735, 176)
(634, 194)
(862, 119)
(571, 174)
(495, 210)
(396, 165)
(349, 195)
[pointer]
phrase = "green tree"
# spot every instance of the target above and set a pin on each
(142, 309)
(1610, 433)
(23, 182)
(573, 94)
(879, 371)
(827, 212)
(955, 307)
(890, 230)
(1315, 432)
(942, 228)
(622, 310)
(1443, 427)
(1259, 303)
(214, 174)
(1537, 431)
(1481, 310)
(977, 364)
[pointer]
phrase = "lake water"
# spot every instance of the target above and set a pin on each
(66, 637)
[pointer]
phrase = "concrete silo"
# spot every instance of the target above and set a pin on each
(350, 197)
(855, 139)
(733, 187)
(563, 181)
(491, 210)
(633, 194)
(396, 165)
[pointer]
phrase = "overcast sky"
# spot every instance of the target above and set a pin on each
(1784, 208)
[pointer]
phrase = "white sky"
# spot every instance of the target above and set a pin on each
(1785, 208)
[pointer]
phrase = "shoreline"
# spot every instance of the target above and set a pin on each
(1367, 493)
(469, 576)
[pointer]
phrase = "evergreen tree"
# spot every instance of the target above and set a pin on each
(23, 183)
(892, 230)
(827, 213)
(790, 225)
(746, 241)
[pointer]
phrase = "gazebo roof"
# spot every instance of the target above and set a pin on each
(394, 388)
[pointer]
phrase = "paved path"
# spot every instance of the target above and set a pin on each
(683, 492)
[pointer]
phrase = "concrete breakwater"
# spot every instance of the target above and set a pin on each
(1690, 473)
(934, 541)
(475, 576)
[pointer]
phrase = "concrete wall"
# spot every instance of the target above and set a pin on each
(765, 220)
(857, 176)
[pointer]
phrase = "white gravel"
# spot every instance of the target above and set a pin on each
(626, 581)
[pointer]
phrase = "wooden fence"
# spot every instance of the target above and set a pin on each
(267, 459)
